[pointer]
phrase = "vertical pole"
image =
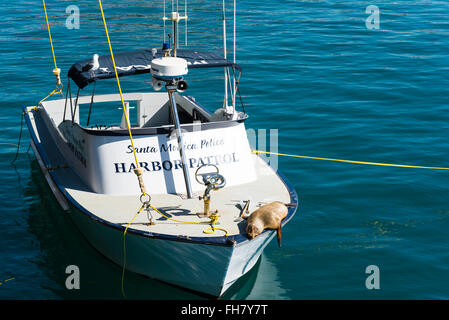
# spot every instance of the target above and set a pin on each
(76, 104)
(164, 21)
(185, 14)
(175, 33)
(171, 89)
(177, 13)
(124, 124)
(225, 56)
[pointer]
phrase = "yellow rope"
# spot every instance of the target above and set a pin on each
(49, 34)
(351, 161)
(4, 281)
(56, 70)
(56, 91)
(212, 222)
(7, 143)
(214, 219)
(118, 84)
(124, 248)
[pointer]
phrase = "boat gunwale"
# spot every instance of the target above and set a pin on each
(230, 241)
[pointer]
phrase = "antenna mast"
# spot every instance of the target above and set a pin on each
(229, 85)
(175, 17)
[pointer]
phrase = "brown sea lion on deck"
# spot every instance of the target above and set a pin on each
(268, 216)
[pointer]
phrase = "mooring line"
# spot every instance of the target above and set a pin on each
(56, 70)
(124, 249)
(351, 161)
(1, 282)
(20, 139)
(8, 143)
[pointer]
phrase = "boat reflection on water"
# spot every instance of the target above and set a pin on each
(261, 283)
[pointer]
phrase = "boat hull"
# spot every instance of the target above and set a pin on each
(204, 268)
(216, 267)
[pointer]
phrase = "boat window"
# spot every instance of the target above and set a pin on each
(146, 110)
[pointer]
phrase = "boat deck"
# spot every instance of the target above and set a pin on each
(121, 209)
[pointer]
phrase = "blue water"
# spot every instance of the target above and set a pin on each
(313, 71)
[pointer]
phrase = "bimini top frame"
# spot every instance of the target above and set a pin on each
(137, 62)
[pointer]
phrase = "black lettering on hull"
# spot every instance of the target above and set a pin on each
(168, 165)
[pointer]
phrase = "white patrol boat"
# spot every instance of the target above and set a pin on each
(180, 221)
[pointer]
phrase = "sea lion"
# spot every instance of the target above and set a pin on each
(267, 216)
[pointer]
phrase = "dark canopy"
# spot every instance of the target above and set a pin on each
(137, 62)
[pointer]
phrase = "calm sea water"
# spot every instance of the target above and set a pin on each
(313, 71)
